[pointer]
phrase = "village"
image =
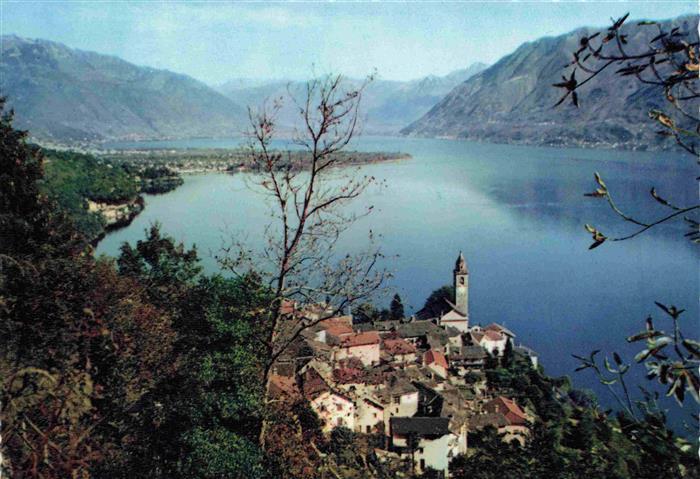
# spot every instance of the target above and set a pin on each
(418, 382)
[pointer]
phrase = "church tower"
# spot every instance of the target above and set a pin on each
(461, 277)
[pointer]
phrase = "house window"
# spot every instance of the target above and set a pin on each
(422, 464)
(369, 429)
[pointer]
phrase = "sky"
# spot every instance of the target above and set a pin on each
(215, 41)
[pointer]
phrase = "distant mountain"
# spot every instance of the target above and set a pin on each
(387, 105)
(63, 94)
(512, 101)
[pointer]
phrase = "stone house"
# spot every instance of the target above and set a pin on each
(369, 415)
(436, 362)
(334, 410)
(428, 439)
(364, 346)
(399, 350)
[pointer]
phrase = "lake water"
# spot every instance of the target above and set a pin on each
(517, 213)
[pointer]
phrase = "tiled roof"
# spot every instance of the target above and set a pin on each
(313, 384)
(398, 346)
(493, 335)
(360, 339)
(489, 419)
(436, 357)
(397, 385)
(417, 328)
(477, 336)
(422, 426)
(470, 353)
(512, 411)
(337, 327)
(500, 329)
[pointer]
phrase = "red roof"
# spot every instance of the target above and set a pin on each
(287, 307)
(361, 339)
(435, 357)
(509, 409)
(337, 327)
(348, 375)
(493, 335)
(398, 346)
(499, 328)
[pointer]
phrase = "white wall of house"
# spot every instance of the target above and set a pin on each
(439, 370)
(367, 353)
(434, 453)
(494, 347)
(406, 406)
(367, 415)
(334, 410)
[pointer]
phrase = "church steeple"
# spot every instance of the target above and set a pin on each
(461, 264)
(461, 285)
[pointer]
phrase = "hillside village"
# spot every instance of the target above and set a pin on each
(417, 382)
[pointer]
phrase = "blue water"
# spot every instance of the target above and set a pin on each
(517, 213)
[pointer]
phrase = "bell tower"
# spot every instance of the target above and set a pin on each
(461, 278)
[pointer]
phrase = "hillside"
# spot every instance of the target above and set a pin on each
(63, 94)
(387, 105)
(512, 101)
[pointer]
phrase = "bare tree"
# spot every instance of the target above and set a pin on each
(311, 208)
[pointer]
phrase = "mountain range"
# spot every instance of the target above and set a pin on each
(387, 106)
(64, 94)
(67, 95)
(513, 100)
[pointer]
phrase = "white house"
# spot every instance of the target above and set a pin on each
(427, 438)
(364, 346)
(334, 410)
(369, 415)
(491, 340)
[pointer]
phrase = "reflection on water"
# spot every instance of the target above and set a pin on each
(518, 215)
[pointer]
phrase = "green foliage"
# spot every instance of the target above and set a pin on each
(202, 420)
(396, 311)
(73, 178)
(217, 453)
(435, 304)
(571, 437)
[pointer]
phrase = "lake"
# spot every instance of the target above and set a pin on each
(517, 213)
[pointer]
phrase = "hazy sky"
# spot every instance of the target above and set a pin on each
(216, 41)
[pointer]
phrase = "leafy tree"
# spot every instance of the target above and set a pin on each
(202, 420)
(82, 345)
(435, 305)
(396, 308)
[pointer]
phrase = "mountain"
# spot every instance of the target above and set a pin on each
(387, 105)
(512, 101)
(63, 94)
